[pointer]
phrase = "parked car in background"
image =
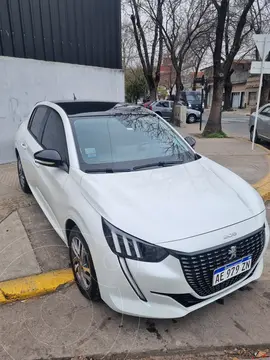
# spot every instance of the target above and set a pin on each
(147, 104)
(164, 108)
(192, 99)
(263, 124)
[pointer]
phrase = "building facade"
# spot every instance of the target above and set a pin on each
(245, 86)
(68, 31)
(56, 50)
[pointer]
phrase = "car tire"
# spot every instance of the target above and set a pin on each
(191, 119)
(22, 178)
(82, 265)
(256, 140)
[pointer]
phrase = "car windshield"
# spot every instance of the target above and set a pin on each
(121, 142)
(193, 96)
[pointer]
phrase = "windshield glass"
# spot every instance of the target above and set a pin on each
(126, 142)
(193, 96)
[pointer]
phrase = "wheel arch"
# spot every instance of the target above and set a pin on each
(68, 227)
(74, 219)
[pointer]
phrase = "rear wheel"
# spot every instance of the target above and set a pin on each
(191, 119)
(82, 265)
(256, 140)
(22, 179)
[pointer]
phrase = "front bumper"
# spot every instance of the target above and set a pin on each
(157, 290)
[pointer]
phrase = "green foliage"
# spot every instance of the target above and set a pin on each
(162, 92)
(136, 86)
(218, 135)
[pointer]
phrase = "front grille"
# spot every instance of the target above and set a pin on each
(198, 268)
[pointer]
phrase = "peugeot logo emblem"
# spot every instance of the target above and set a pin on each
(232, 252)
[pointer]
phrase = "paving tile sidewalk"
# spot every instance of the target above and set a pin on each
(235, 154)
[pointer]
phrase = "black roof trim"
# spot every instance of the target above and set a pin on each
(83, 106)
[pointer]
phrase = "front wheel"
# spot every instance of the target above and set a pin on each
(256, 140)
(83, 266)
(191, 119)
(22, 179)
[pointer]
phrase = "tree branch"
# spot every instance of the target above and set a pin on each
(142, 34)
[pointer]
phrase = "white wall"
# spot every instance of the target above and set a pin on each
(24, 82)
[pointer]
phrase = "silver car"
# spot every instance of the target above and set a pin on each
(164, 108)
(263, 124)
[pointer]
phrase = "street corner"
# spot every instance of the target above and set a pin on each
(34, 286)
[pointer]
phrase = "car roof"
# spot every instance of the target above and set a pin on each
(80, 108)
(72, 107)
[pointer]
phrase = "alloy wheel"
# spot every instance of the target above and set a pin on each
(191, 119)
(81, 264)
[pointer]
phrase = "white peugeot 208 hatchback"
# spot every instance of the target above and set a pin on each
(154, 229)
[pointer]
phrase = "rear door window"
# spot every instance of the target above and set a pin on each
(37, 122)
(54, 137)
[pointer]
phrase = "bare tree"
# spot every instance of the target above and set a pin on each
(145, 32)
(221, 68)
(196, 54)
(245, 49)
(129, 49)
(184, 23)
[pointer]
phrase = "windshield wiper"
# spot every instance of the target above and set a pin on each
(106, 170)
(158, 164)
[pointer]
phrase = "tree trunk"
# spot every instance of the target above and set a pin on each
(228, 91)
(214, 121)
(179, 88)
(265, 90)
(153, 93)
(227, 95)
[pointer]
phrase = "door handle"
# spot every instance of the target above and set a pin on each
(24, 146)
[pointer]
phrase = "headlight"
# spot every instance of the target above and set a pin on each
(127, 246)
(189, 105)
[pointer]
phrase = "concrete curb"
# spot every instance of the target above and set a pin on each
(33, 286)
(263, 187)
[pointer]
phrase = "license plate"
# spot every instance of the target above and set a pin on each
(231, 270)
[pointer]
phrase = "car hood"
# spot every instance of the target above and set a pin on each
(172, 203)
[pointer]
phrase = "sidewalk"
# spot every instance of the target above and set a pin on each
(65, 324)
(233, 153)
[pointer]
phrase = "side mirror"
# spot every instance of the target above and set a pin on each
(191, 141)
(49, 158)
